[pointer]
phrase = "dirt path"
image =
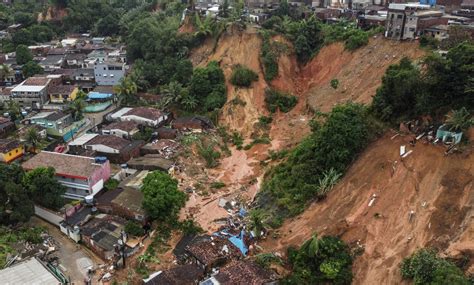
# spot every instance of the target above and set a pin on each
(438, 189)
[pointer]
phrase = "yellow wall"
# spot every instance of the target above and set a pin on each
(59, 99)
(12, 154)
(73, 94)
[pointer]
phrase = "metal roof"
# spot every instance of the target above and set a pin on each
(28, 272)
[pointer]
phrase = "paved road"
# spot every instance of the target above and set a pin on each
(73, 258)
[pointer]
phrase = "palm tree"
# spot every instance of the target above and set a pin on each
(76, 108)
(189, 103)
(171, 94)
(459, 120)
(126, 90)
(32, 138)
(257, 224)
(13, 109)
(311, 246)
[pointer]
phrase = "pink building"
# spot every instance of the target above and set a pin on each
(82, 176)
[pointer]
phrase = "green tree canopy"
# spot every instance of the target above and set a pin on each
(43, 187)
(162, 200)
(31, 68)
(15, 203)
(424, 267)
(23, 54)
(325, 260)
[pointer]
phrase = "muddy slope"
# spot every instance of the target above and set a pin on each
(437, 188)
(359, 74)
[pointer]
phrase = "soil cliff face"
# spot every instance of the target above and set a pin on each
(437, 188)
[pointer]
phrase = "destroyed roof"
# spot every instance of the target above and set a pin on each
(62, 89)
(213, 250)
(110, 141)
(144, 112)
(36, 81)
(244, 272)
(185, 274)
(83, 166)
(150, 162)
(7, 145)
(126, 126)
(131, 199)
(192, 121)
(26, 272)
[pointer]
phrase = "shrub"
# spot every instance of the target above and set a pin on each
(190, 227)
(111, 184)
(357, 39)
(424, 267)
(134, 229)
(277, 100)
(217, 185)
(334, 83)
(317, 162)
(264, 120)
(243, 76)
(209, 154)
(326, 260)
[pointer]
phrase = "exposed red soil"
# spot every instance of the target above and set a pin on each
(438, 188)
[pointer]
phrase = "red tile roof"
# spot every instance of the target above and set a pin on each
(64, 164)
(110, 141)
(144, 112)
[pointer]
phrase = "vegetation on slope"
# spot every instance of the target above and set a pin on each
(424, 267)
(328, 151)
(325, 260)
(444, 84)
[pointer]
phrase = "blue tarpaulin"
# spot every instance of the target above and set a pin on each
(98, 95)
(238, 241)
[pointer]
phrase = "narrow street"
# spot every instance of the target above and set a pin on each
(74, 259)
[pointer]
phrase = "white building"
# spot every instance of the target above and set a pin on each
(141, 115)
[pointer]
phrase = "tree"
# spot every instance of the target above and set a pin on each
(325, 260)
(15, 203)
(31, 68)
(77, 107)
(44, 188)
(459, 120)
(161, 198)
(32, 138)
(134, 229)
(424, 267)
(126, 90)
(224, 9)
(13, 110)
(396, 98)
(23, 55)
(257, 221)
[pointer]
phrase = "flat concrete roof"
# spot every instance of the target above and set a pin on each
(27, 272)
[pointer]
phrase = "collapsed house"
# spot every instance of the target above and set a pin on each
(242, 272)
(185, 274)
(125, 201)
(212, 252)
(447, 136)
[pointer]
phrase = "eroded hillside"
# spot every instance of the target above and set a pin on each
(437, 188)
